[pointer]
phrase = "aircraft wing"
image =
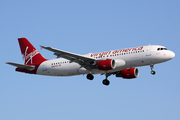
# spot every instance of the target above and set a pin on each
(28, 67)
(70, 56)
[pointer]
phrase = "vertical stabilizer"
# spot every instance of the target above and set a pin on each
(29, 53)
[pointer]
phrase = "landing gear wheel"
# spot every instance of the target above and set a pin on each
(106, 82)
(153, 72)
(90, 77)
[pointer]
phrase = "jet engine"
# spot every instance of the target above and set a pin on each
(108, 64)
(128, 73)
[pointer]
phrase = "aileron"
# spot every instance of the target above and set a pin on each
(70, 56)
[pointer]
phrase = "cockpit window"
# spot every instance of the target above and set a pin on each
(162, 49)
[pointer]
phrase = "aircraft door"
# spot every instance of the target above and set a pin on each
(148, 51)
(148, 55)
(44, 68)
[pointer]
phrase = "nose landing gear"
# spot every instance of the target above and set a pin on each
(152, 67)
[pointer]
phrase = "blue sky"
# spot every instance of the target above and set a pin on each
(82, 27)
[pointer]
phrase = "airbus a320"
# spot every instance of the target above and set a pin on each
(121, 63)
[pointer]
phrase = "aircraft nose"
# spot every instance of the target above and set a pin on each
(171, 55)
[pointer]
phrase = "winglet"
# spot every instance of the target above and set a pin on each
(41, 47)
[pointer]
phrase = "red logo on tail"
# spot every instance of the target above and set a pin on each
(29, 57)
(29, 53)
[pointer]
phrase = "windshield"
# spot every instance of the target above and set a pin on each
(162, 49)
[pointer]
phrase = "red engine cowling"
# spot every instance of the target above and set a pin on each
(106, 64)
(128, 73)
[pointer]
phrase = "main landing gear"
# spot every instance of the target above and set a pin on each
(105, 81)
(152, 67)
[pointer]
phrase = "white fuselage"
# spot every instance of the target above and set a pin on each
(124, 58)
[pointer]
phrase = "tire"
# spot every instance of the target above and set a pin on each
(90, 77)
(106, 82)
(153, 72)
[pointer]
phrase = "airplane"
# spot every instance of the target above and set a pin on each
(121, 63)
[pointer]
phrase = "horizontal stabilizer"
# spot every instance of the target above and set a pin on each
(28, 67)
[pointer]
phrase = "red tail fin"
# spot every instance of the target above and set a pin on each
(29, 52)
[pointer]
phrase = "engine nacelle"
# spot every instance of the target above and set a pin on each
(108, 64)
(128, 73)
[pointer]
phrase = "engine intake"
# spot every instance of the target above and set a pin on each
(108, 64)
(128, 73)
